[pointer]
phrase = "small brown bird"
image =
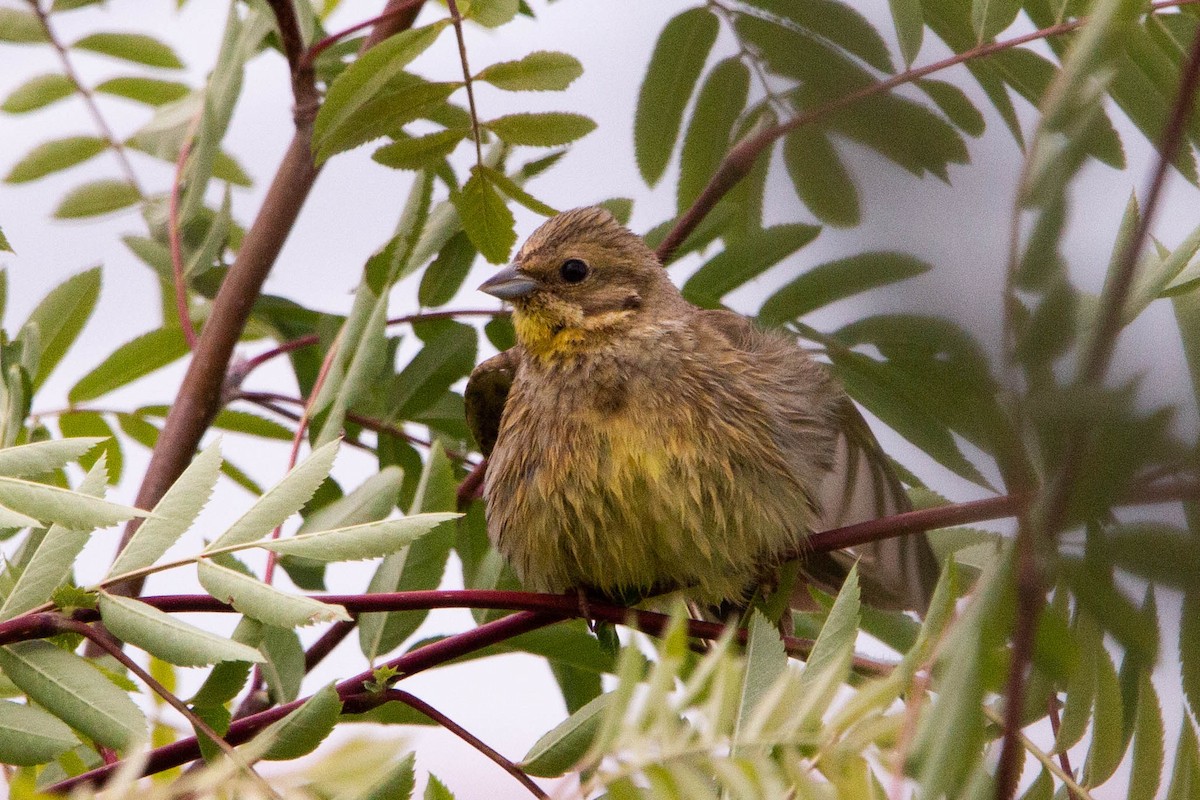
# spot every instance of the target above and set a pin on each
(638, 444)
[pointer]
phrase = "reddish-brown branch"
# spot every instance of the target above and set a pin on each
(472, 485)
(365, 702)
(740, 159)
(185, 750)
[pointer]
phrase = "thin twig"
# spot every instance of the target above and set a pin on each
(89, 99)
(419, 705)
(462, 56)
(1064, 758)
(1043, 757)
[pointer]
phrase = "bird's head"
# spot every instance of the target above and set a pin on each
(581, 279)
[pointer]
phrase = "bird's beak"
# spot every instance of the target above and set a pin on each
(509, 284)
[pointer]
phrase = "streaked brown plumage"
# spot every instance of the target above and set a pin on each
(638, 443)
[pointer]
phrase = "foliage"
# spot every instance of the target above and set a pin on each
(1040, 626)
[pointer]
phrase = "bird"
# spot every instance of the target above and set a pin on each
(637, 444)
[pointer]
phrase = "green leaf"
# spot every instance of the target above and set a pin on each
(1108, 742)
(166, 637)
(565, 744)
(5, 247)
(838, 23)
(373, 500)
(55, 156)
(226, 679)
(448, 355)
(540, 71)
(42, 457)
(909, 22)
(445, 276)
(511, 188)
(136, 47)
(359, 542)
(1189, 648)
(173, 514)
(284, 668)
(1185, 775)
(50, 565)
(675, 66)
(1145, 773)
(710, 132)
(30, 736)
(422, 152)
(955, 104)
(486, 218)
(436, 790)
(745, 259)
(281, 500)
(491, 13)
(837, 280)
(251, 425)
(151, 91)
(59, 318)
(256, 599)
(20, 27)
(91, 424)
(299, 733)
(990, 17)
(363, 100)
(543, 129)
(821, 181)
(96, 198)
(36, 92)
(70, 688)
(132, 360)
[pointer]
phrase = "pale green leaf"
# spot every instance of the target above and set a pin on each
(37, 93)
(828, 664)
(62, 506)
(50, 565)
(136, 47)
(30, 736)
(168, 638)
(281, 500)
(565, 744)
(766, 661)
(284, 668)
(256, 599)
(540, 71)
(96, 198)
(359, 542)
(671, 77)
(55, 156)
(173, 514)
(70, 688)
(42, 457)
(359, 363)
(541, 129)
(370, 502)
(300, 732)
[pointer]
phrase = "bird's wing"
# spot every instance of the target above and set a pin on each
(487, 390)
(897, 573)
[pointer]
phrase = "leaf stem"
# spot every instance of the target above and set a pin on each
(457, 19)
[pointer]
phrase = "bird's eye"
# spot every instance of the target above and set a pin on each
(573, 270)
